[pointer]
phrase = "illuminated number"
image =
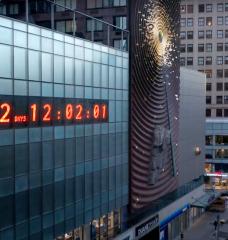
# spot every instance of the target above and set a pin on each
(47, 115)
(5, 118)
(69, 111)
(34, 112)
(104, 111)
(79, 109)
(96, 111)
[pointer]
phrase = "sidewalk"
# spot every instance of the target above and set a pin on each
(203, 228)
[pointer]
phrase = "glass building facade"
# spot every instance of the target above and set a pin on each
(216, 142)
(56, 178)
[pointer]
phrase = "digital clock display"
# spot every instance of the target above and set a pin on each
(22, 111)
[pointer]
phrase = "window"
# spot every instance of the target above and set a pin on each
(183, 22)
(190, 34)
(221, 140)
(226, 47)
(201, 8)
(208, 112)
(201, 21)
(226, 20)
(208, 47)
(190, 48)
(182, 35)
(14, 9)
(2, 9)
(226, 60)
(182, 61)
(90, 24)
(200, 47)
(226, 86)
(208, 73)
(201, 34)
(121, 22)
(219, 33)
(219, 20)
(208, 99)
(182, 48)
(208, 60)
(225, 112)
(64, 26)
(189, 61)
(67, 3)
(189, 8)
(226, 73)
(218, 112)
(105, 3)
(209, 7)
(226, 7)
(208, 87)
(190, 22)
(209, 21)
(119, 3)
(219, 60)
(219, 86)
(219, 47)
(209, 140)
(200, 61)
(220, 7)
(94, 4)
(183, 8)
(219, 73)
(117, 43)
(225, 99)
(209, 34)
(226, 33)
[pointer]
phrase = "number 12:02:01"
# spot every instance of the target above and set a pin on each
(48, 112)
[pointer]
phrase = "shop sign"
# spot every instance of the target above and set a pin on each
(147, 226)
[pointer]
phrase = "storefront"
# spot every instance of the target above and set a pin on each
(149, 229)
(106, 227)
(217, 180)
(173, 225)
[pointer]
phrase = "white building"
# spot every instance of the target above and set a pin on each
(204, 47)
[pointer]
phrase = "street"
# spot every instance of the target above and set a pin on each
(203, 228)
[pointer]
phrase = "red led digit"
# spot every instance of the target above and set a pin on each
(34, 112)
(47, 115)
(5, 117)
(69, 111)
(96, 111)
(104, 111)
(79, 109)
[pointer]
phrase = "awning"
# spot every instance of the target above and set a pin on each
(204, 201)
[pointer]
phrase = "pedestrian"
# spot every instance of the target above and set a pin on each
(215, 224)
(182, 235)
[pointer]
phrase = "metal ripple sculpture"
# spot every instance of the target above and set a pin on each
(159, 33)
(154, 99)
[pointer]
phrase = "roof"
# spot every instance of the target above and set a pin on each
(208, 198)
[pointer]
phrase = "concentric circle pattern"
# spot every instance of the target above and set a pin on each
(154, 99)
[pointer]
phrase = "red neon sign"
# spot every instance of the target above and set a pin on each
(44, 111)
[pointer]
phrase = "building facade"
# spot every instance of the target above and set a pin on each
(114, 12)
(64, 123)
(204, 47)
(192, 121)
(216, 146)
(63, 134)
(173, 213)
(154, 100)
